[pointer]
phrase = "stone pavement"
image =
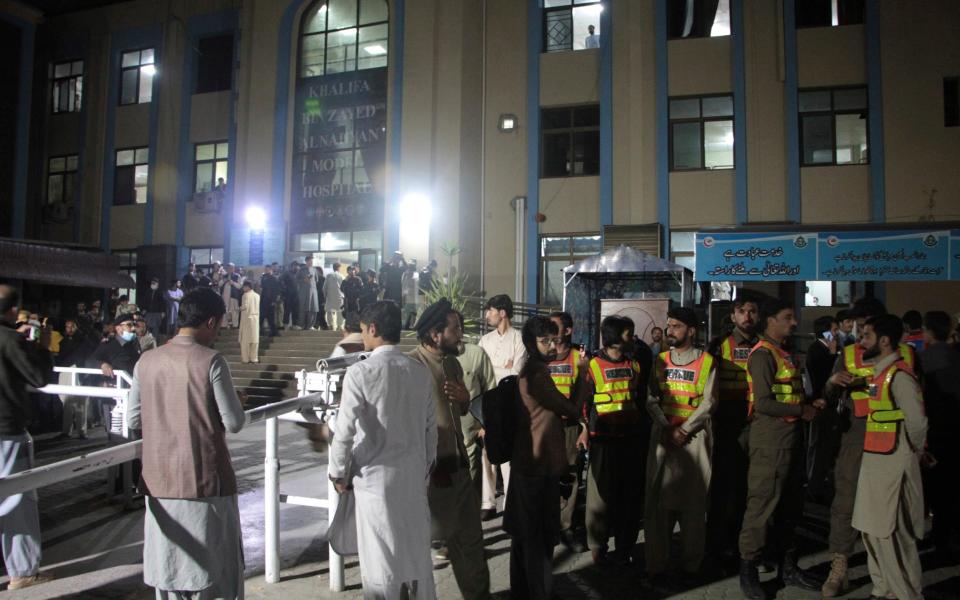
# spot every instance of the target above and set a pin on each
(95, 548)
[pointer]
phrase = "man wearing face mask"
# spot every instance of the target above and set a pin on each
(682, 398)
(119, 353)
(454, 505)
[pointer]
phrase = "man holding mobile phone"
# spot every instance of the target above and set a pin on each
(848, 390)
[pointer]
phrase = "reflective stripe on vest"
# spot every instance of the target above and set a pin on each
(787, 386)
(611, 383)
(853, 361)
(883, 416)
(732, 371)
(682, 386)
(564, 372)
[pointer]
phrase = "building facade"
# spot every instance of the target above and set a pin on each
(514, 135)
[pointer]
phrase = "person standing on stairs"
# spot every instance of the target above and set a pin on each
(249, 324)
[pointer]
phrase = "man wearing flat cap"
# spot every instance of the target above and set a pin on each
(119, 353)
(682, 397)
(454, 506)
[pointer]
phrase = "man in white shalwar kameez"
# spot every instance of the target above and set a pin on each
(384, 445)
(249, 335)
(192, 543)
(683, 396)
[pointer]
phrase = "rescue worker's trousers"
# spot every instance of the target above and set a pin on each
(845, 474)
(615, 492)
(774, 497)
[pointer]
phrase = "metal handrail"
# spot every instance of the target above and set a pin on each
(84, 464)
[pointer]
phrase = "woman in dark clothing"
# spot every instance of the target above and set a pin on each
(532, 512)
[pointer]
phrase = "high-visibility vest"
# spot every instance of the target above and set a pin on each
(682, 386)
(883, 415)
(611, 382)
(787, 386)
(853, 361)
(732, 370)
(564, 372)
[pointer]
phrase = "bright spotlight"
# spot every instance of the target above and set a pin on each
(256, 218)
(148, 70)
(416, 207)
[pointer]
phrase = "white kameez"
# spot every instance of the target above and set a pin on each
(385, 435)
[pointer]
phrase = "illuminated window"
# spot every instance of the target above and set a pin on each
(137, 69)
(339, 36)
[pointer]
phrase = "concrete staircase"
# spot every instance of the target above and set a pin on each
(281, 357)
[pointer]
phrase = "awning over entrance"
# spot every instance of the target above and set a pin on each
(60, 266)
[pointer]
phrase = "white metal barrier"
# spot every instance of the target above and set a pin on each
(302, 408)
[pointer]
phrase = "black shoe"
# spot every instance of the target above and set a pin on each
(791, 574)
(488, 514)
(750, 581)
(569, 539)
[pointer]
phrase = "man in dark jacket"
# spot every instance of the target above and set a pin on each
(291, 306)
(390, 274)
(352, 288)
(269, 291)
(22, 363)
(119, 353)
(190, 280)
(75, 347)
(153, 306)
(941, 396)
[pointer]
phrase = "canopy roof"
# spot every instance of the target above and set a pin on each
(624, 259)
(61, 266)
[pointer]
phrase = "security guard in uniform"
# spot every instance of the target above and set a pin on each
(613, 405)
(775, 478)
(731, 428)
(566, 372)
(848, 386)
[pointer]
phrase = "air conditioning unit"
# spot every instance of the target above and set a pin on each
(208, 202)
(57, 212)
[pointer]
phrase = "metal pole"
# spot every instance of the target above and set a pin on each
(271, 505)
(336, 561)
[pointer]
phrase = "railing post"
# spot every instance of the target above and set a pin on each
(271, 505)
(335, 560)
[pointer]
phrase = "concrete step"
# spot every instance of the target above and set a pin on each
(260, 382)
(292, 364)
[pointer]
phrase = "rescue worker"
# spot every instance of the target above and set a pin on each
(775, 478)
(612, 408)
(682, 398)
(566, 371)
(848, 387)
(889, 502)
(731, 429)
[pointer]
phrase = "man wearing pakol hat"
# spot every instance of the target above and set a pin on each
(454, 505)
(682, 398)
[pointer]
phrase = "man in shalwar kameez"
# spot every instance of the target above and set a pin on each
(384, 446)
(888, 508)
(683, 396)
(184, 401)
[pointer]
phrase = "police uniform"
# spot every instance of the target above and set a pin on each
(775, 477)
(889, 501)
(565, 373)
(730, 451)
(682, 395)
(613, 410)
(843, 536)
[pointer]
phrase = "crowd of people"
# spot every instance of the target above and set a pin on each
(726, 441)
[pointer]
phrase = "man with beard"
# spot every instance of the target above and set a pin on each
(775, 478)
(613, 409)
(567, 372)
(682, 397)
(848, 386)
(731, 429)
(453, 502)
(532, 514)
(889, 503)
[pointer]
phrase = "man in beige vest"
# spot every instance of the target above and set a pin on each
(182, 398)
(454, 505)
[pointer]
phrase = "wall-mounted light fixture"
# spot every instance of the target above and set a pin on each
(507, 123)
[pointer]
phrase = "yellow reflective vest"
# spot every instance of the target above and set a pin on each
(883, 415)
(853, 361)
(564, 372)
(787, 386)
(682, 386)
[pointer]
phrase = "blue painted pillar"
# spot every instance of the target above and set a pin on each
(662, 129)
(24, 99)
(878, 202)
(738, 41)
(534, 42)
(606, 115)
(791, 110)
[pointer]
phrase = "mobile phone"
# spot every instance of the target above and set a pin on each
(827, 335)
(858, 382)
(34, 333)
